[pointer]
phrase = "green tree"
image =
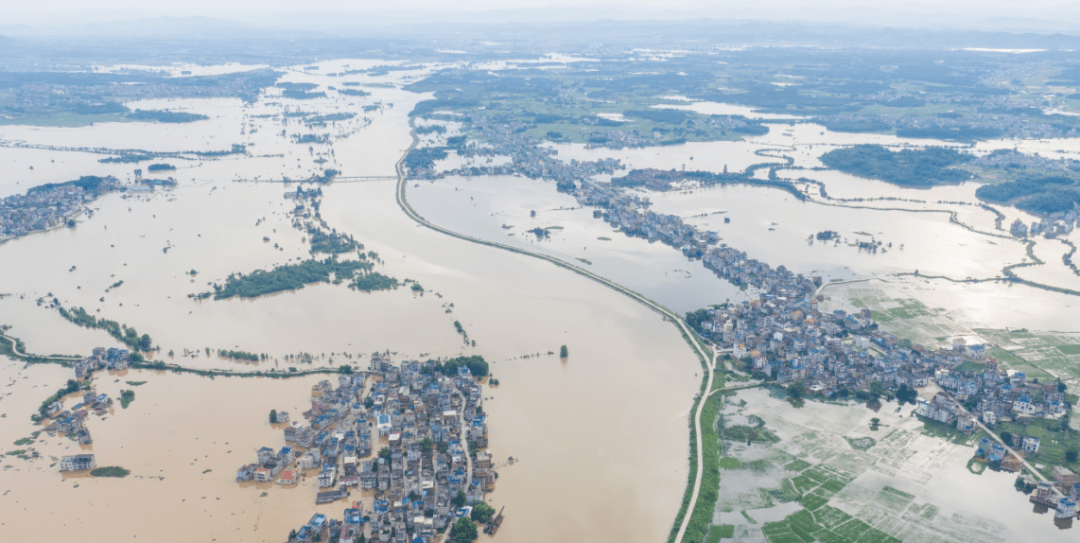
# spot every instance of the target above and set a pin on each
(906, 394)
(877, 390)
(459, 499)
(1007, 438)
(563, 352)
(273, 416)
(426, 445)
(463, 531)
(1071, 455)
(385, 453)
(144, 342)
(797, 390)
(482, 512)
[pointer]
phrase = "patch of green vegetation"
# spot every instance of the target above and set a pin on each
(1069, 349)
(123, 333)
(852, 529)
(72, 386)
(1043, 194)
(723, 531)
(797, 465)
(478, 367)
(947, 432)
(24, 441)
(976, 467)
(831, 517)
(296, 276)
(701, 516)
(891, 498)
(126, 397)
(112, 471)
(1056, 439)
(926, 167)
(861, 443)
(239, 355)
(18, 452)
(726, 462)
(814, 500)
(749, 434)
(970, 365)
(136, 383)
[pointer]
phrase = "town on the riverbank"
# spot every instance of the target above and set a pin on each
(404, 445)
(783, 337)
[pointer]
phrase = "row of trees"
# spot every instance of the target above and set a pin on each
(123, 333)
(288, 277)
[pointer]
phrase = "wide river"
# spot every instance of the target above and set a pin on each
(602, 438)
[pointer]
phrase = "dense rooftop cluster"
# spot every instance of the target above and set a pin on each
(49, 206)
(428, 432)
(529, 157)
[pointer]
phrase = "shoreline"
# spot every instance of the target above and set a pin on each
(681, 519)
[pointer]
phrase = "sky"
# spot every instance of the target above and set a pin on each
(1036, 15)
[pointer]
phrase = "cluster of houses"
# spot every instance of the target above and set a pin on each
(786, 336)
(48, 206)
(1055, 225)
(409, 436)
(78, 462)
(629, 213)
(102, 358)
(71, 422)
(1061, 495)
(528, 157)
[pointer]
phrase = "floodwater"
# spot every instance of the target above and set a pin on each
(932, 470)
(602, 438)
(499, 209)
(718, 108)
(771, 225)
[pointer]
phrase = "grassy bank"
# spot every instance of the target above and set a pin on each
(701, 516)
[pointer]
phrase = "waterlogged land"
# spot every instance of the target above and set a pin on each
(825, 470)
(231, 262)
(213, 227)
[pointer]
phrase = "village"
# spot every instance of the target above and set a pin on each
(48, 206)
(783, 336)
(1056, 225)
(404, 446)
(72, 422)
(528, 157)
(56, 205)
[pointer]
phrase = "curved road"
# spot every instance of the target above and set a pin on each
(15, 349)
(688, 334)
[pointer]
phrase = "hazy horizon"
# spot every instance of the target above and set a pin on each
(63, 16)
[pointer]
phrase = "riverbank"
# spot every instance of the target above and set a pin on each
(695, 343)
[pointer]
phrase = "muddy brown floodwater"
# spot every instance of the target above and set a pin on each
(602, 439)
